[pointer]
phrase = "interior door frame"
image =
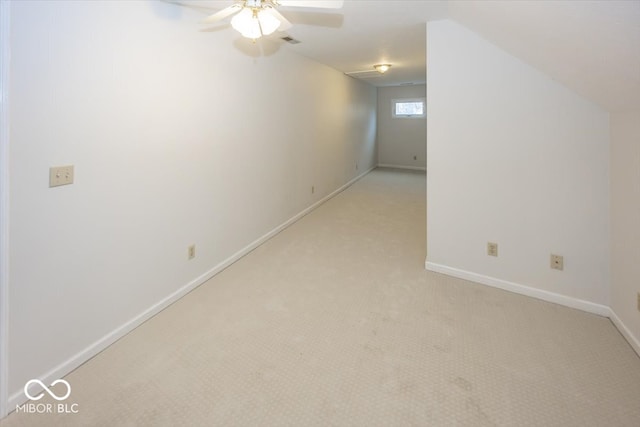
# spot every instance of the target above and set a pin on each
(5, 12)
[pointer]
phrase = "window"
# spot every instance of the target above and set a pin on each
(408, 107)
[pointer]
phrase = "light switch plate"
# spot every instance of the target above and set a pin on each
(60, 175)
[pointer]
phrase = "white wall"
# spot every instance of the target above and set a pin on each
(400, 139)
(625, 221)
(177, 137)
(515, 158)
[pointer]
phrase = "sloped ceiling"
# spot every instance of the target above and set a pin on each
(590, 46)
(374, 32)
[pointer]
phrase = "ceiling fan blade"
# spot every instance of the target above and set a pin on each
(215, 28)
(284, 22)
(218, 16)
(325, 19)
(320, 4)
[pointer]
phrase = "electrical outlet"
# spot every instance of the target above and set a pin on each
(191, 251)
(60, 175)
(557, 262)
(492, 249)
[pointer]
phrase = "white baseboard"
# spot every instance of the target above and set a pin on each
(75, 361)
(633, 341)
(587, 306)
(413, 168)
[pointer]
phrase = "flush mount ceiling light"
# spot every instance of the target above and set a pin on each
(256, 18)
(382, 68)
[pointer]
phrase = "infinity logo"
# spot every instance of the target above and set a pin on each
(49, 392)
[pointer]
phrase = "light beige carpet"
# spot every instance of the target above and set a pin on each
(335, 322)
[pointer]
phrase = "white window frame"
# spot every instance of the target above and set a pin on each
(408, 116)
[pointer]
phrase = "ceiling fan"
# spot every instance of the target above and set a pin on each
(256, 18)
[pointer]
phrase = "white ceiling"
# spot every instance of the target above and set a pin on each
(374, 32)
(591, 46)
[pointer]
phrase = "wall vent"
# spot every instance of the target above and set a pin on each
(366, 74)
(290, 40)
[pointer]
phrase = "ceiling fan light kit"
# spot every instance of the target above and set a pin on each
(256, 18)
(254, 23)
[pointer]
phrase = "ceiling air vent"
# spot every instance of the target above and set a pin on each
(367, 74)
(290, 40)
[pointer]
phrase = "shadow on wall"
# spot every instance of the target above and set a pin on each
(175, 13)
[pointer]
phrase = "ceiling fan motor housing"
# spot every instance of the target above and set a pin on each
(253, 3)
